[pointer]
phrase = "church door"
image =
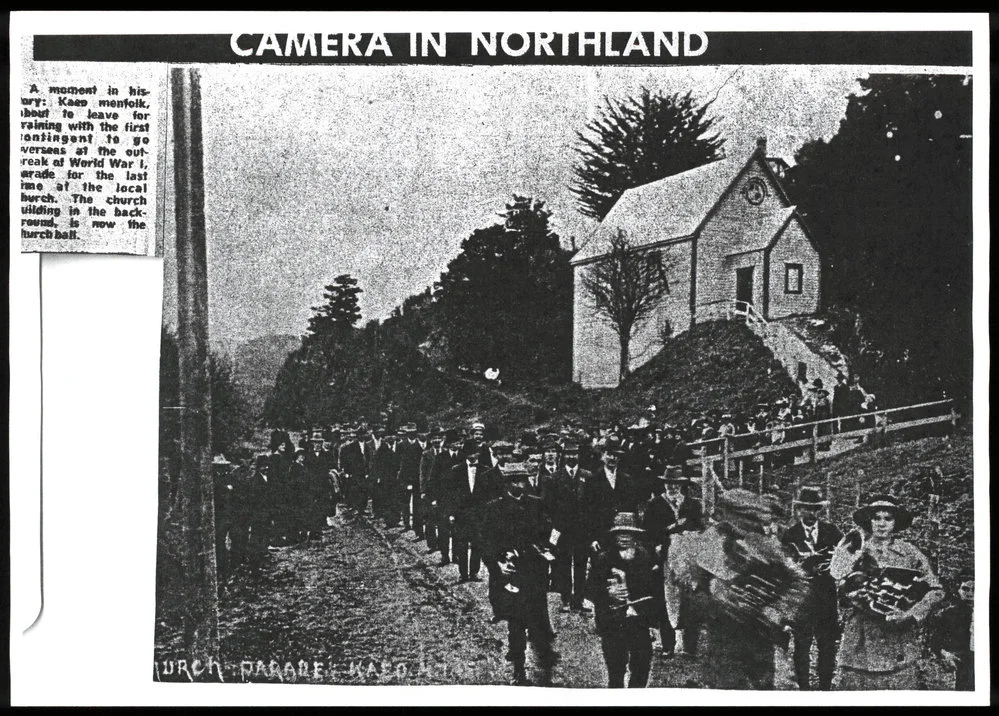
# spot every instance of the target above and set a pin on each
(744, 284)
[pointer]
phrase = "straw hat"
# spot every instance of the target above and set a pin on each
(877, 503)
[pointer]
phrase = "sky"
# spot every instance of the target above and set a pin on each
(380, 172)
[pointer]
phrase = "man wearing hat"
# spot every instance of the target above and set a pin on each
(385, 474)
(569, 520)
(514, 541)
(441, 492)
(672, 511)
(612, 490)
(318, 464)
(410, 454)
(622, 586)
(879, 651)
(428, 496)
(810, 542)
(353, 466)
(465, 495)
(280, 492)
(260, 507)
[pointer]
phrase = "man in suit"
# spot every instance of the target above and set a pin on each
(428, 497)
(385, 473)
(410, 454)
(513, 539)
(442, 493)
(622, 586)
(568, 519)
(491, 461)
(317, 467)
(280, 492)
(672, 511)
(611, 491)
(466, 494)
(810, 542)
(261, 509)
(377, 446)
(354, 467)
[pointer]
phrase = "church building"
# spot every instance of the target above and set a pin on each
(725, 236)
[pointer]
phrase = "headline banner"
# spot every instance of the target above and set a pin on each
(512, 48)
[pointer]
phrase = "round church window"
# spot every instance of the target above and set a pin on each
(755, 191)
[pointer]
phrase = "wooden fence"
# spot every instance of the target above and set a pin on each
(730, 457)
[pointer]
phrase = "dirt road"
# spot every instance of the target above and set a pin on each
(369, 606)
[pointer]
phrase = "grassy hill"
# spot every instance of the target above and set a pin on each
(719, 364)
(714, 365)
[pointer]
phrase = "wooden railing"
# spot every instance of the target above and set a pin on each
(875, 424)
(822, 432)
(747, 311)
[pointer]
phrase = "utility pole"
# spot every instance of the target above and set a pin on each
(201, 637)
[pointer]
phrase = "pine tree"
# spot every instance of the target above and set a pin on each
(335, 318)
(639, 140)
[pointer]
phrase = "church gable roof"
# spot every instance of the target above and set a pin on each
(670, 208)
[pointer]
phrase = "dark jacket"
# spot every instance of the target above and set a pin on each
(814, 560)
(410, 455)
(515, 528)
(384, 465)
(569, 510)
(602, 502)
(661, 520)
(353, 461)
(436, 486)
(643, 577)
(459, 501)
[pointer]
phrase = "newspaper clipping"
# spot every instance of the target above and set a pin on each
(545, 357)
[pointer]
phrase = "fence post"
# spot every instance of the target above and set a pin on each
(812, 451)
(953, 418)
(828, 494)
(707, 485)
(761, 480)
(740, 472)
(725, 456)
(858, 478)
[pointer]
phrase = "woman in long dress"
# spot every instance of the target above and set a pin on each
(880, 645)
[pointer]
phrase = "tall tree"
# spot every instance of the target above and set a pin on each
(506, 299)
(625, 287)
(639, 140)
(888, 199)
(339, 313)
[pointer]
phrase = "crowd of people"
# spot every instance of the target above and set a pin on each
(608, 521)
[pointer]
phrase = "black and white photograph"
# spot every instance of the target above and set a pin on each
(579, 374)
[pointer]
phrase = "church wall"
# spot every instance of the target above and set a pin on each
(793, 247)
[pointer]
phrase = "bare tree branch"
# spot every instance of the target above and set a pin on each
(626, 287)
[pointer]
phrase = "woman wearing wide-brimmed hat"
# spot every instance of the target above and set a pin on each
(879, 647)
